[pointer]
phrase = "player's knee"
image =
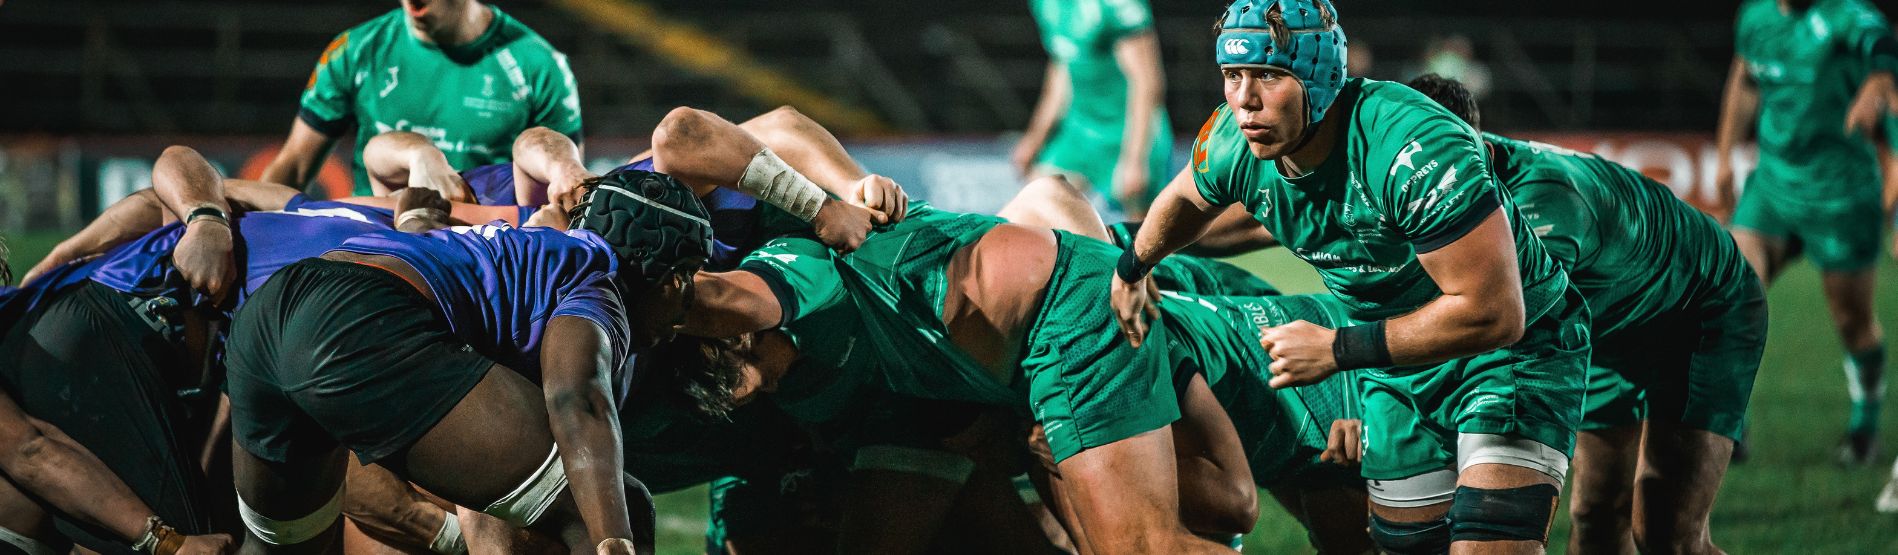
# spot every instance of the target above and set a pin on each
(1509, 514)
(1599, 508)
(294, 530)
(1411, 538)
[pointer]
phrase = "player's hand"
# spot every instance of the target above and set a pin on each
(1345, 445)
(1130, 188)
(564, 190)
(882, 195)
(1133, 306)
(1870, 106)
(435, 210)
(616, 546)
(1024, 154)
(203, 257)
(549, 216)
(1723, 193)
(1301, 353)
(843, 226)
(434, 173)
(209, 544)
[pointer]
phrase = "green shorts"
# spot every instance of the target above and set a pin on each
(1695, 368)
(1532, 389)
(332, 352)
(1083, 153)
(1838, 237)
(1086, 385)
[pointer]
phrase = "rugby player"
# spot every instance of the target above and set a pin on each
(460, 72)
(443, 337)
(123, 338)
(1817, 78)
(1679, 325)
(1474, 344)
(1101, 118)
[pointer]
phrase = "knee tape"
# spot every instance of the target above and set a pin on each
(523, 506)
(293, 531)
(26, 545)
(1411, 538)
(1480, 514)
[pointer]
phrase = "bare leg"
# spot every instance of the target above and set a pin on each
(19, 514)
(388, 510)
(995, 519)
(1601, 497)
(893, 512)
(1217, 494)
(1052, 203)
(1765, 254)
(288, 491)
(1126, 499)
(1681, 470)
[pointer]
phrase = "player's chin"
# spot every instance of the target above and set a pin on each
(1271, 147)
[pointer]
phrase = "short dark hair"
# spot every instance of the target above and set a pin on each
(705, 371)
(1451, 94)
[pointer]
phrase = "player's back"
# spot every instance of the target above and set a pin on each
(1644, 252)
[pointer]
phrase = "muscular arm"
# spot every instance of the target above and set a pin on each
(301, 157)
(1139, 59)
(129, 218)
(44, 462)
(185, 181)
(1739, 109)
(576, 362)
(728, 304)
(1481, 308)
(1180, 216)
(547, 168)
(1048, 109)
(399, 159)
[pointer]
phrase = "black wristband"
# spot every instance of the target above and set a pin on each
(1361, 346)
(1130, 269)
(207, 211)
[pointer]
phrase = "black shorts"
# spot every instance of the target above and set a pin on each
(88, 363)
(329, 353)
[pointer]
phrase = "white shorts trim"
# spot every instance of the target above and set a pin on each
(1422, 490)
(1474, 449)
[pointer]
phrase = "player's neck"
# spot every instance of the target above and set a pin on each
(473, 23)
(1313, 153)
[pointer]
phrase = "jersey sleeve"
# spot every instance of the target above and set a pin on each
(1869, 38)
(594, 299)
(1215, 166)
(1436, 207)
(1559, 216)
(328, 98)
(557, 97)
(1126, 18)
(801, 274)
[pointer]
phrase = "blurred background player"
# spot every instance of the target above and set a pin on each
(1101, 119)
(1818, 76)
(460, 72)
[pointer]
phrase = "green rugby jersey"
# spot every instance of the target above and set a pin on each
(471, 100)
(1080, 35)
(1808, 66)
(1281, 430)
(1632, 248)
(1405, 177)
(851, 316)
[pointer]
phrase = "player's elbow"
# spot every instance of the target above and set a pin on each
(681, 129)
(1497, 326)
(21, 450)
(575, 402)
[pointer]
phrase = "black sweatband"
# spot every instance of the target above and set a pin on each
(1130, 268)
(1361, 346)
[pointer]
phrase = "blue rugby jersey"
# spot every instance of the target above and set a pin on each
(498, 286)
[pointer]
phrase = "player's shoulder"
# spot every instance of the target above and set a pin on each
(1394, 123)
(1518, 162)
(1219, 142)
(1383, 104)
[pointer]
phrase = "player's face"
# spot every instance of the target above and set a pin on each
(1269, 106)
(659, 313)
(769, 355)
(434, 18)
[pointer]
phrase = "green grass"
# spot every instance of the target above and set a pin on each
(1789, 498)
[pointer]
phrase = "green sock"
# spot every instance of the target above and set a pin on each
(1865, 381)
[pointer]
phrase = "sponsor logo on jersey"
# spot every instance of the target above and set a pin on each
(1403, 157)
(1431, 198)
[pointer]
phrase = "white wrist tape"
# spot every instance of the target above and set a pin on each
(413, 213)
(294, 531)
(771, 180)
(448, 540)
